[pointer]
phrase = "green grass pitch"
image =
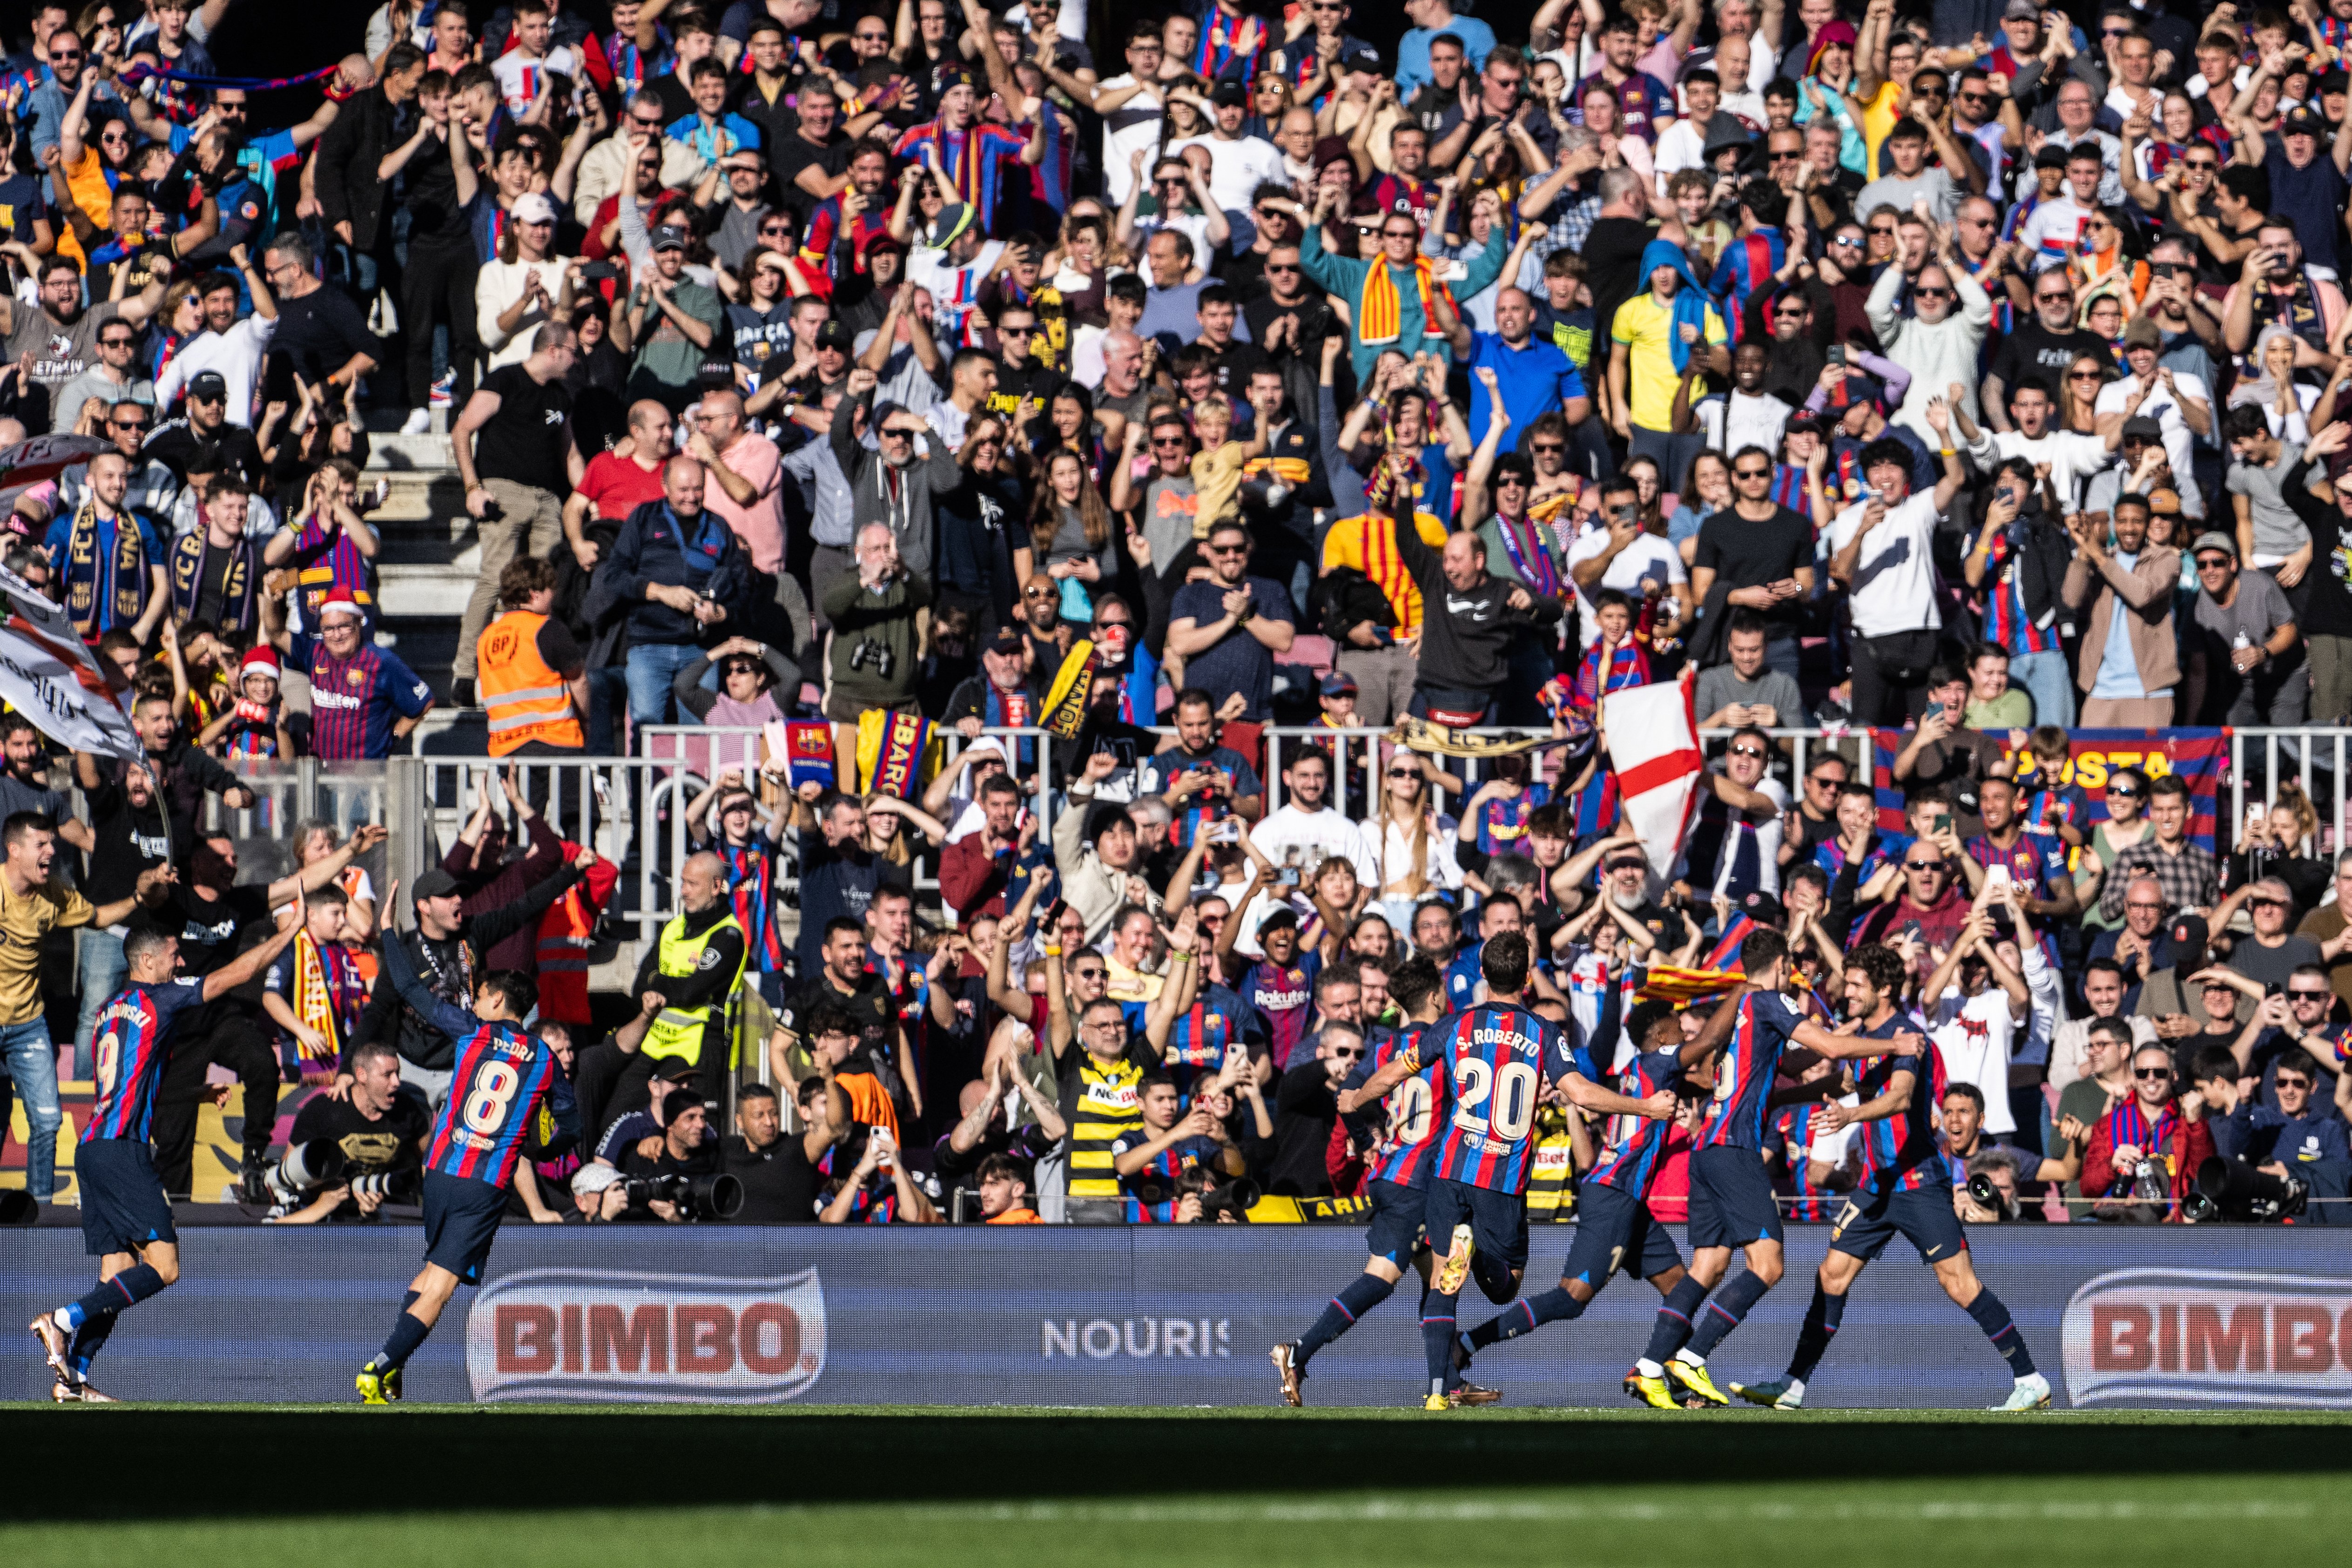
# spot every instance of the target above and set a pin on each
(244, 1487)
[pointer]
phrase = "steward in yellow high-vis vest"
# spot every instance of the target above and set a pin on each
(525, 664)
(685, 986)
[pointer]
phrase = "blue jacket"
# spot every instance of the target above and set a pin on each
(653, 547)
(2314, 1147)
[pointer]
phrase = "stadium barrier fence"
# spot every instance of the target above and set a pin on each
(2210, 1315)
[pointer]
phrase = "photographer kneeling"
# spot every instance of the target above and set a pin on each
(346, 1157)
(669, 1176)
(2299, 1146)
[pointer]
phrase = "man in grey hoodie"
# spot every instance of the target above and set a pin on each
(896, 483)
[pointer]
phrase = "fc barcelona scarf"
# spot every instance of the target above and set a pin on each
(897, 752)
(1066, 701)
(121, 581)
(327, 993)
(190, 557)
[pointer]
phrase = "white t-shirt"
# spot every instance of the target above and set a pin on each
(1974, 1036)
(1132, 127)
(1680, 147)
(1894, 581)
(1236, 168)
(1648, 556)
(2164, 408)
(1316, 835)
(2055, 223)
(954, 290)
(520, 80)
(1754, 422)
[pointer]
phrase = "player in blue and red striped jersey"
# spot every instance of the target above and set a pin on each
(1406, 1118)
(126, 1221)
(502, 1073)
(1616, 1229)
(1906, 1187)
(1494, 1057)
(1732, 1207)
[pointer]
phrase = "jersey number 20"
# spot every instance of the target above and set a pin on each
(1512, 1090)
(494, 1085)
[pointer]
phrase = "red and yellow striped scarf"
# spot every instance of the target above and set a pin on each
(1380, 317)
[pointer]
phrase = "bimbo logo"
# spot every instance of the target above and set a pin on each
(584, 1333)
(2209, 1337)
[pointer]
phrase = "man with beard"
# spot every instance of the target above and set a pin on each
(112, 557)
(127, 839)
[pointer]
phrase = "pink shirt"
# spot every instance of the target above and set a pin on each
(761, 525)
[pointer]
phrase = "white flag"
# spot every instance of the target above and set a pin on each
(42, 459)
(47, 673)
(1653, 750)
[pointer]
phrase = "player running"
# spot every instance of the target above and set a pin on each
(1614, 1226)
(126, 1219)
(1399, 1177)
(1906, 1189)
(1493, 1055)
(1732, 1201)
(502, 1073)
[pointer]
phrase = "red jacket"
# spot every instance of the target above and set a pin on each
(972, 881)
(2189, 1147)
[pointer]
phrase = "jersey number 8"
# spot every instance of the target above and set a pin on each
(1514, 1092)
(494, 1085)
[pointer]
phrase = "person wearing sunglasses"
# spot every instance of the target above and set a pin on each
(2144, 1154)
(2254, 648)
(2286, 1131)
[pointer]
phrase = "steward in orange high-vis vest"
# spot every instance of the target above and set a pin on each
(564, 931)
(526, 662)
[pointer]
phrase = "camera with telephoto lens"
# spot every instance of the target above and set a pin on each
(311, 1168)
(702, 1198)
(2232, 1189)
(873, 653)
(1987, 1197)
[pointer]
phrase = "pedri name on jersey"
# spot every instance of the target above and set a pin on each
(523, 1052)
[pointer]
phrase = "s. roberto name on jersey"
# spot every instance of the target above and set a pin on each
(590, 1334)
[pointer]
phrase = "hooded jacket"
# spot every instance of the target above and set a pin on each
(906, 505)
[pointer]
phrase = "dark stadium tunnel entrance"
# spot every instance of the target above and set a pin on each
(802, 1457)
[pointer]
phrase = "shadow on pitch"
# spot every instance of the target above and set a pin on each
(135, 1463)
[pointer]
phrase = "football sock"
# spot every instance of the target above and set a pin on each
(1437, 1339)
(1820, 1326)
(128, 1289)
(1364, 1292)
(1674, 1324)
(406, 1335)
(1525, 1317)
(89, 1340)
(1724, 1313)
(1994, 1319)
(408, 1300)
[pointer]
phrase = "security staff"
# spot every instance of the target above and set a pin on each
(685, 986)
(533, 676)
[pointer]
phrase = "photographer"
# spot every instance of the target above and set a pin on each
(380, 1127)
(961, 1157)
(2300, 1142)
(681, 1150)
(2145, 1153)
(780, 1175)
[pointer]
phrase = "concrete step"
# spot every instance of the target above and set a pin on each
(393, 450)
(424, 590)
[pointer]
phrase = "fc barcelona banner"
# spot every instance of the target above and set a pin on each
(2196, 756)
(897, 753)
(808, 752)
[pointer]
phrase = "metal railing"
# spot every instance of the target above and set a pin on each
(630, 809)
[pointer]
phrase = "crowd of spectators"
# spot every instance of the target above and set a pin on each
(1966, 372)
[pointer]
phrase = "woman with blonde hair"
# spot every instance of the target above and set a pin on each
(884, 815)
(1415, 841)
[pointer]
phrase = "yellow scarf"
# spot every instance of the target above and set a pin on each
(1380, 319)
(314, 1000)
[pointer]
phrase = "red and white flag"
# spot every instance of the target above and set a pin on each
(1653, 747)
